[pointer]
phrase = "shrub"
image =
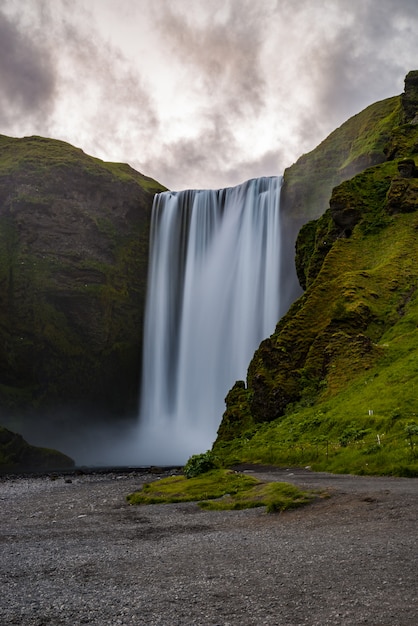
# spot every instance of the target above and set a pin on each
(352, 433)
(199, 464)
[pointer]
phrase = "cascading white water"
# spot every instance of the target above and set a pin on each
(213, 295)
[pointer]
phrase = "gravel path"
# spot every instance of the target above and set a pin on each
(73, 552)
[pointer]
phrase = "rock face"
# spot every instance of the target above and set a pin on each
(16, 455)
(410, 98)
(356, 266)
(73, 263)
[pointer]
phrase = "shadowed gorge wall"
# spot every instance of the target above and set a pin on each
(73, 263)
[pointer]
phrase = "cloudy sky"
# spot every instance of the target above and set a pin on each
(199, 93)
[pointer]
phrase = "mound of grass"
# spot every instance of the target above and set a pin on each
(222, 490)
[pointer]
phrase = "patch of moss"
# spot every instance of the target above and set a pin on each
(237, 418)
(223, 490)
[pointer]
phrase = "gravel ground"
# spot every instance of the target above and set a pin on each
(73, 552)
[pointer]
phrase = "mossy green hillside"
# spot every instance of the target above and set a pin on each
(346, 347)
(371, 427)
(44, 156)
(384, 131)
(356, 145)
(74, 234)
(335, 385)
(360, 199)
(361, 142)
(223, 490)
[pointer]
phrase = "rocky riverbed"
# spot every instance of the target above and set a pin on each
(74, 552)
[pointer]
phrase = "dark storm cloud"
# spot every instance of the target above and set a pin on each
(320, 61)
(261, 81)
(119, 94)
(60, 78)
(27, 75)
(185, 159)
(367, 57)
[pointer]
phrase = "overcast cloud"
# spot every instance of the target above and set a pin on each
(27, 75)
(199, 93)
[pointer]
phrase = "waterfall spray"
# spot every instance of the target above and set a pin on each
(213, 295)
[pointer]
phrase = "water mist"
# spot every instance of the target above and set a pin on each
(213, 295)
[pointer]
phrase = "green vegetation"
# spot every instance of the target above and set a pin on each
(347, 348)
(359, 143)
(41, 155)
(199, 464)
(335, 386)
(222, 490)
(74, 234)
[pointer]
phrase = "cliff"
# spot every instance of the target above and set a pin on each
(73, 264)
(340, 365)
(359, 143)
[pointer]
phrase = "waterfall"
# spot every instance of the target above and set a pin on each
(213, 295)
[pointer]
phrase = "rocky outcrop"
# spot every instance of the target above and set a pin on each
(410, 98)
(402, 196)
(73, 264)
(16, 455)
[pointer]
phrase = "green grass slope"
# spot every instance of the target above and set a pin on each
(335, 386)
(361, 142)
(337, 381)
(357, 144)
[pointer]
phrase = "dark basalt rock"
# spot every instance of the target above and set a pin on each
(402, 196)
(344, 214)
(407, 168)
(410, 98)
